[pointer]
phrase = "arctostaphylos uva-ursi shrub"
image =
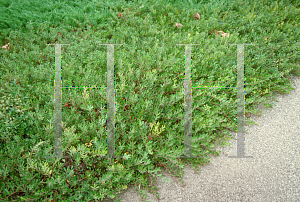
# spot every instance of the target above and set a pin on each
(15, 120)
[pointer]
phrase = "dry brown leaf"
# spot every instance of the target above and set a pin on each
(197, 16)
(6, 46)
(178, 25)
(223, 34)
(217, 32)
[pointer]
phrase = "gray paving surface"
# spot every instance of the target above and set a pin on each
(272, 175)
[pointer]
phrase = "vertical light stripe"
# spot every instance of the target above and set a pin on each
(240, 101)
(57, 125)
(240, 143)
(57, 113)
(110, 102)
(188, 103)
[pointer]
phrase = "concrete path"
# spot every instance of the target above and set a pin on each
(272, 175)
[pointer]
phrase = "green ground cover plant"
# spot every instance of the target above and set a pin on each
(149, 92)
